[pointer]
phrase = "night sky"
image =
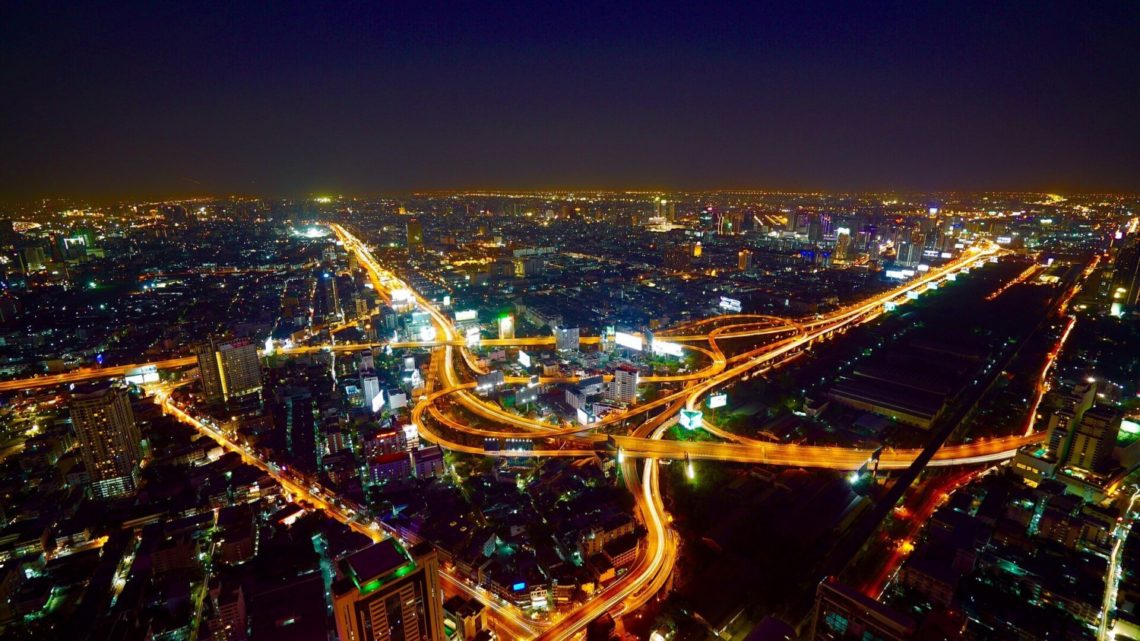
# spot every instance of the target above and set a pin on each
(274, 98)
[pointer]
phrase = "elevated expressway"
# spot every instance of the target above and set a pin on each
(787, 338)
(784, 340)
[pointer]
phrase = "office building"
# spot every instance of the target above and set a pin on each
(566, 338)
(744, 260)
(845, 614)
(1126, 278)
(385, 594)
(666, 209)
(1093, 439)
(842, 247)
(415, 235)
(373, 395)
(228, 369)
(109, 440)
(624, 386)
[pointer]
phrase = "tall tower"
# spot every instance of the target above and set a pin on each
(383, 593)
(415, 235)
(228, 369)
(1094, 438)
(109, 440)
(744, 260)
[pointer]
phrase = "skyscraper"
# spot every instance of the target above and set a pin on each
(228, 369)
(385, 594)
(109, 440)
(624, 386)
(744, 260)
(1126, 278)
(842, 246)
(373, 397)
(1094, 438)
(415, 235)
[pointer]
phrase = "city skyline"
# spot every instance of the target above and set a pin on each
(168, 100)
(589, 321)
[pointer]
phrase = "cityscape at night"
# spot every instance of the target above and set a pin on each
(477, 323)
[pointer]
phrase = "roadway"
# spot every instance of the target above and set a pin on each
(783, 339)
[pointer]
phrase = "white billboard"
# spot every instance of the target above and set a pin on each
(466, 315)
(731, 304)
(667, 349)
(718, 400)
(632, 341)
(524, 359)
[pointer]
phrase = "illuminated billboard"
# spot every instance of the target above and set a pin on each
(691, 419)
(632, 341)
(507, 327)
(524, 359)
(731, 304)
(718, 400)
(667, 349)
(378, 401)
(890, 306)
(1004, 240)
(894, 273)
(466, 315)
(401, 295)
(472, 336)
(923, 268)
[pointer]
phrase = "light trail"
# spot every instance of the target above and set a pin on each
(1112, 579)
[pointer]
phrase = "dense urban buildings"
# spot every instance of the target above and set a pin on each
(579, 321)
(749, 415)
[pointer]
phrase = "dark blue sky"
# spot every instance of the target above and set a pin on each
(289, 98)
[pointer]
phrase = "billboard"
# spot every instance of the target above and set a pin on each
(731, 304)
(667, 349)
(524, 359)
(691, 419)
(472, 336)
(718, 400)
(507, 327)
(894, 273)
(466, 315)
(401, 295)
(632, 341)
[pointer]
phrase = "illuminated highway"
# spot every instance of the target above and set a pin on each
(780, 340)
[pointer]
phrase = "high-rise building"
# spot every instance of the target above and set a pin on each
(1126, 278)
(373, 397)
(415, 235)
(300, 418)
(624, 386)
(109, 440)
(744, 260)
(385, 594)
(228, 369)
(845, 614)
(566, 338)
(666, 209)
(842, 246)
(1093, 439)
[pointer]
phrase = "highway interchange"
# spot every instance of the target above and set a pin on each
(637, 451)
